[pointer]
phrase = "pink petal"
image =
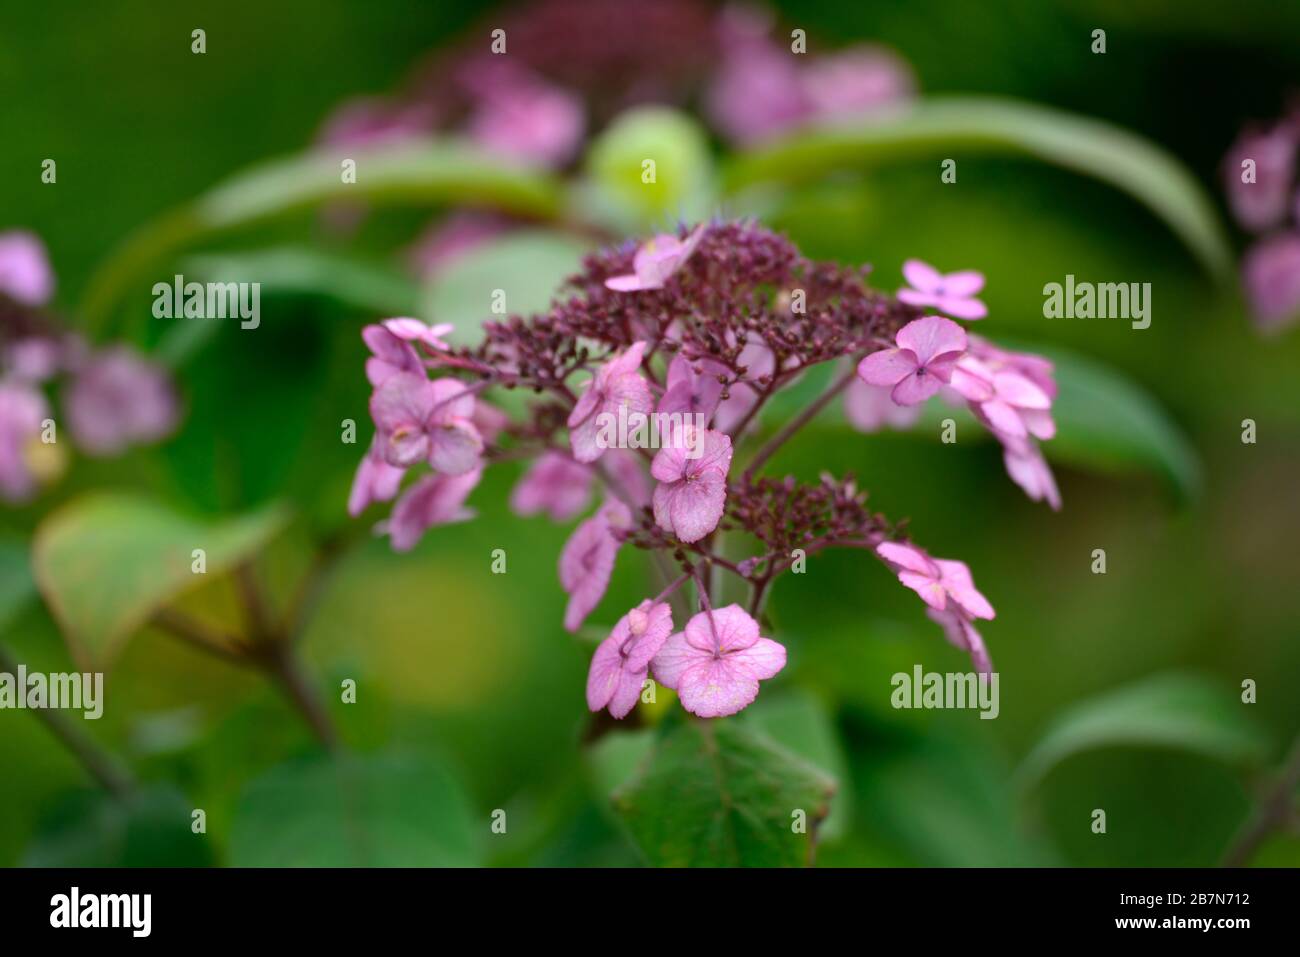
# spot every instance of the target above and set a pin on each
(931, 336)
(1019, 391)
(455, 448)
(714, 688)
(604, 674)
(887, 367)
(1003, 418)
(931, 591)
(908, 557)
(691, 509)
(627, 283)
(957, 580)
(554, 484)
(961, 308)
(916, 388)
(673, 658)
(763, 659)
(921, 275)
(963, 284)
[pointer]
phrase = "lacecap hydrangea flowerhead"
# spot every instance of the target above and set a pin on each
(700, 329)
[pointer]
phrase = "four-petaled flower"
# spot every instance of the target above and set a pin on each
(619, 666)
(421, 419)
(656, 261)
(692, 489)
(927, 353)
(952, 294)
(716, 663)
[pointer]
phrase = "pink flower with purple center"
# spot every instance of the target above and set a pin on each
(620, 666)
(692, 490)
(716, 663)
(419, 420)
(616, 384)
(952, 294)
(926, 354)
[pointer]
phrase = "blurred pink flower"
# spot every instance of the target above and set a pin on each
(620, 665)
(952, 294)
(436, 499)
(116, 399)
(946, 587)
(375, 480)
(1262, 204)
(25, 273)
(857, 81)
(926, 354)
(716, 663)
(22, 410)
(869, 408)
(691, 392)
(520, 115)
(554, 484)
(1271, 277)
(587, 560)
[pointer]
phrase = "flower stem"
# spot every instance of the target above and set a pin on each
(1271, 813)
(799, 421)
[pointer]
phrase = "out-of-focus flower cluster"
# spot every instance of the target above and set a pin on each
(112, 398)
(700, 329)
(1263, 190)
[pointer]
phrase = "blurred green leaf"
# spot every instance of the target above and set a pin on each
(292, 269)
(528, 266)
(800, 721)
(430, 172)
(106, 562)
(940, 125)
(17, 587)
(150, 828)
(718, 794)
(390, 810)
(683, 187)
(1184, 712)
(615, 758)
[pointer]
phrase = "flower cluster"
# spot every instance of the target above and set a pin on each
(113, 397)
(710, 324)
(1263, 189)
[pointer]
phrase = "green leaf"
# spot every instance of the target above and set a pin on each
(300, 270)
(1184, 712)
(800, 722)
(429, 172)
(718, 794)
(619, 189)
(393, 810)
(939, 125)
(17, 587)
(106, 562)
(528, 266)
(150, 828)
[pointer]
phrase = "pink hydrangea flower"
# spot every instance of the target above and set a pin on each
(522, 116)
(928, 350)
(22, 409)
(435, 499)
(117, 399)
(587, 560)
(389, 355)
(869, 408)
(419, 419)
(937, 580)
(618, 383)
(25, 273)
(413, 330)
(375, 480)
(1262, 204)
(554, 484)
(691, 392)
(858, 81)
(1008, 402)
(1028, 469)
(692, 491)
(947, 588)
(716, 663)
(952, 294)
(1271, 275)
(620, 665)
(656, 261)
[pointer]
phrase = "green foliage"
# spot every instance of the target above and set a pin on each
(718, 794)
(1167, 711)
(106, 562)
(149, 828)
(386, 810)
(939, 126)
